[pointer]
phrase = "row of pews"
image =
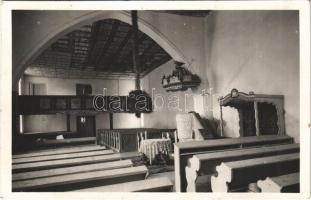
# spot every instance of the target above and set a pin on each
(82, 168)
(247, 164)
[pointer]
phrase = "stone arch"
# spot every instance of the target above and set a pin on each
(20, 65)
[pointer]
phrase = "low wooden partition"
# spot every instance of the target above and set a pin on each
(185, 150)
(127, 140)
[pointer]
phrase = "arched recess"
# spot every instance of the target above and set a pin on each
(63, 28)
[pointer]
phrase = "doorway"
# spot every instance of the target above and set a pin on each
(86, 126)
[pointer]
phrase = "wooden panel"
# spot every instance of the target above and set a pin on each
(185, 150)
(71, 170)
(72, 162)
(206, 163)
(284, 183)
(61, 156)
(60, 151)
(162, 184)
(236, 175)
(99, 177)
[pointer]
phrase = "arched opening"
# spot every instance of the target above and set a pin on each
(45, 39)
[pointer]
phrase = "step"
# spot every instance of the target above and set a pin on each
(71, 170)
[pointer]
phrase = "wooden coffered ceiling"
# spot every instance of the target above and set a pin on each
(97, 50)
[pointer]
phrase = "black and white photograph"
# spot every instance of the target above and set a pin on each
(200, 101)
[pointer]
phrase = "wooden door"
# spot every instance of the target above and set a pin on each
(86, 126)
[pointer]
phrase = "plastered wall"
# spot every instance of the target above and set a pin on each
(254, 51)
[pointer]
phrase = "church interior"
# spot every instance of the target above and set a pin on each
(155, 101)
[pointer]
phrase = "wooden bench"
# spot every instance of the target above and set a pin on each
(185, 150)
(69, 141)
(284, 183)
(71, 170)
(81, 180)
(162, 184)
(236, 175)
(58, 151)
(206, 163)
(61, 156)
(72, 162)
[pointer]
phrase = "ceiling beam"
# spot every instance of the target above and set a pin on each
(92, 42)
(107, 44)
(116, 55)
(130, 54)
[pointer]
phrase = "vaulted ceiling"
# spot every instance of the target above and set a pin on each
(99, 49)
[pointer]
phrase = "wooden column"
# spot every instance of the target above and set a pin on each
(68, 122)
(111, 120)
(135, 50)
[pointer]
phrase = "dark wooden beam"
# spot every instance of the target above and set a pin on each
(130, 54)
(71, 46)
(111, 120)
(116, 55)
(136, 67)
(92, 42)
(107, 44)
(68, 122)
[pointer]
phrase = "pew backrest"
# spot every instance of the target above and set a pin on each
(185, 150)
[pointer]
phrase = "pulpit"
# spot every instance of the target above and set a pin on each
(259, 114)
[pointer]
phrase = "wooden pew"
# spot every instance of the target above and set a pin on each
(185, 150)
(81, 180)
(61, 156)
(58, 151)
(72, 162)
(206, 163)
(71, 170)
(69, 141)
(162, 184)
(284, 183)
(236, 175)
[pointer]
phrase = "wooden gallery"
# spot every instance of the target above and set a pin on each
(155, 101)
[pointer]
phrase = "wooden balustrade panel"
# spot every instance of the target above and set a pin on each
(127, 140)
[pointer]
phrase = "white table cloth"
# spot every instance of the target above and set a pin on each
(152, 147)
